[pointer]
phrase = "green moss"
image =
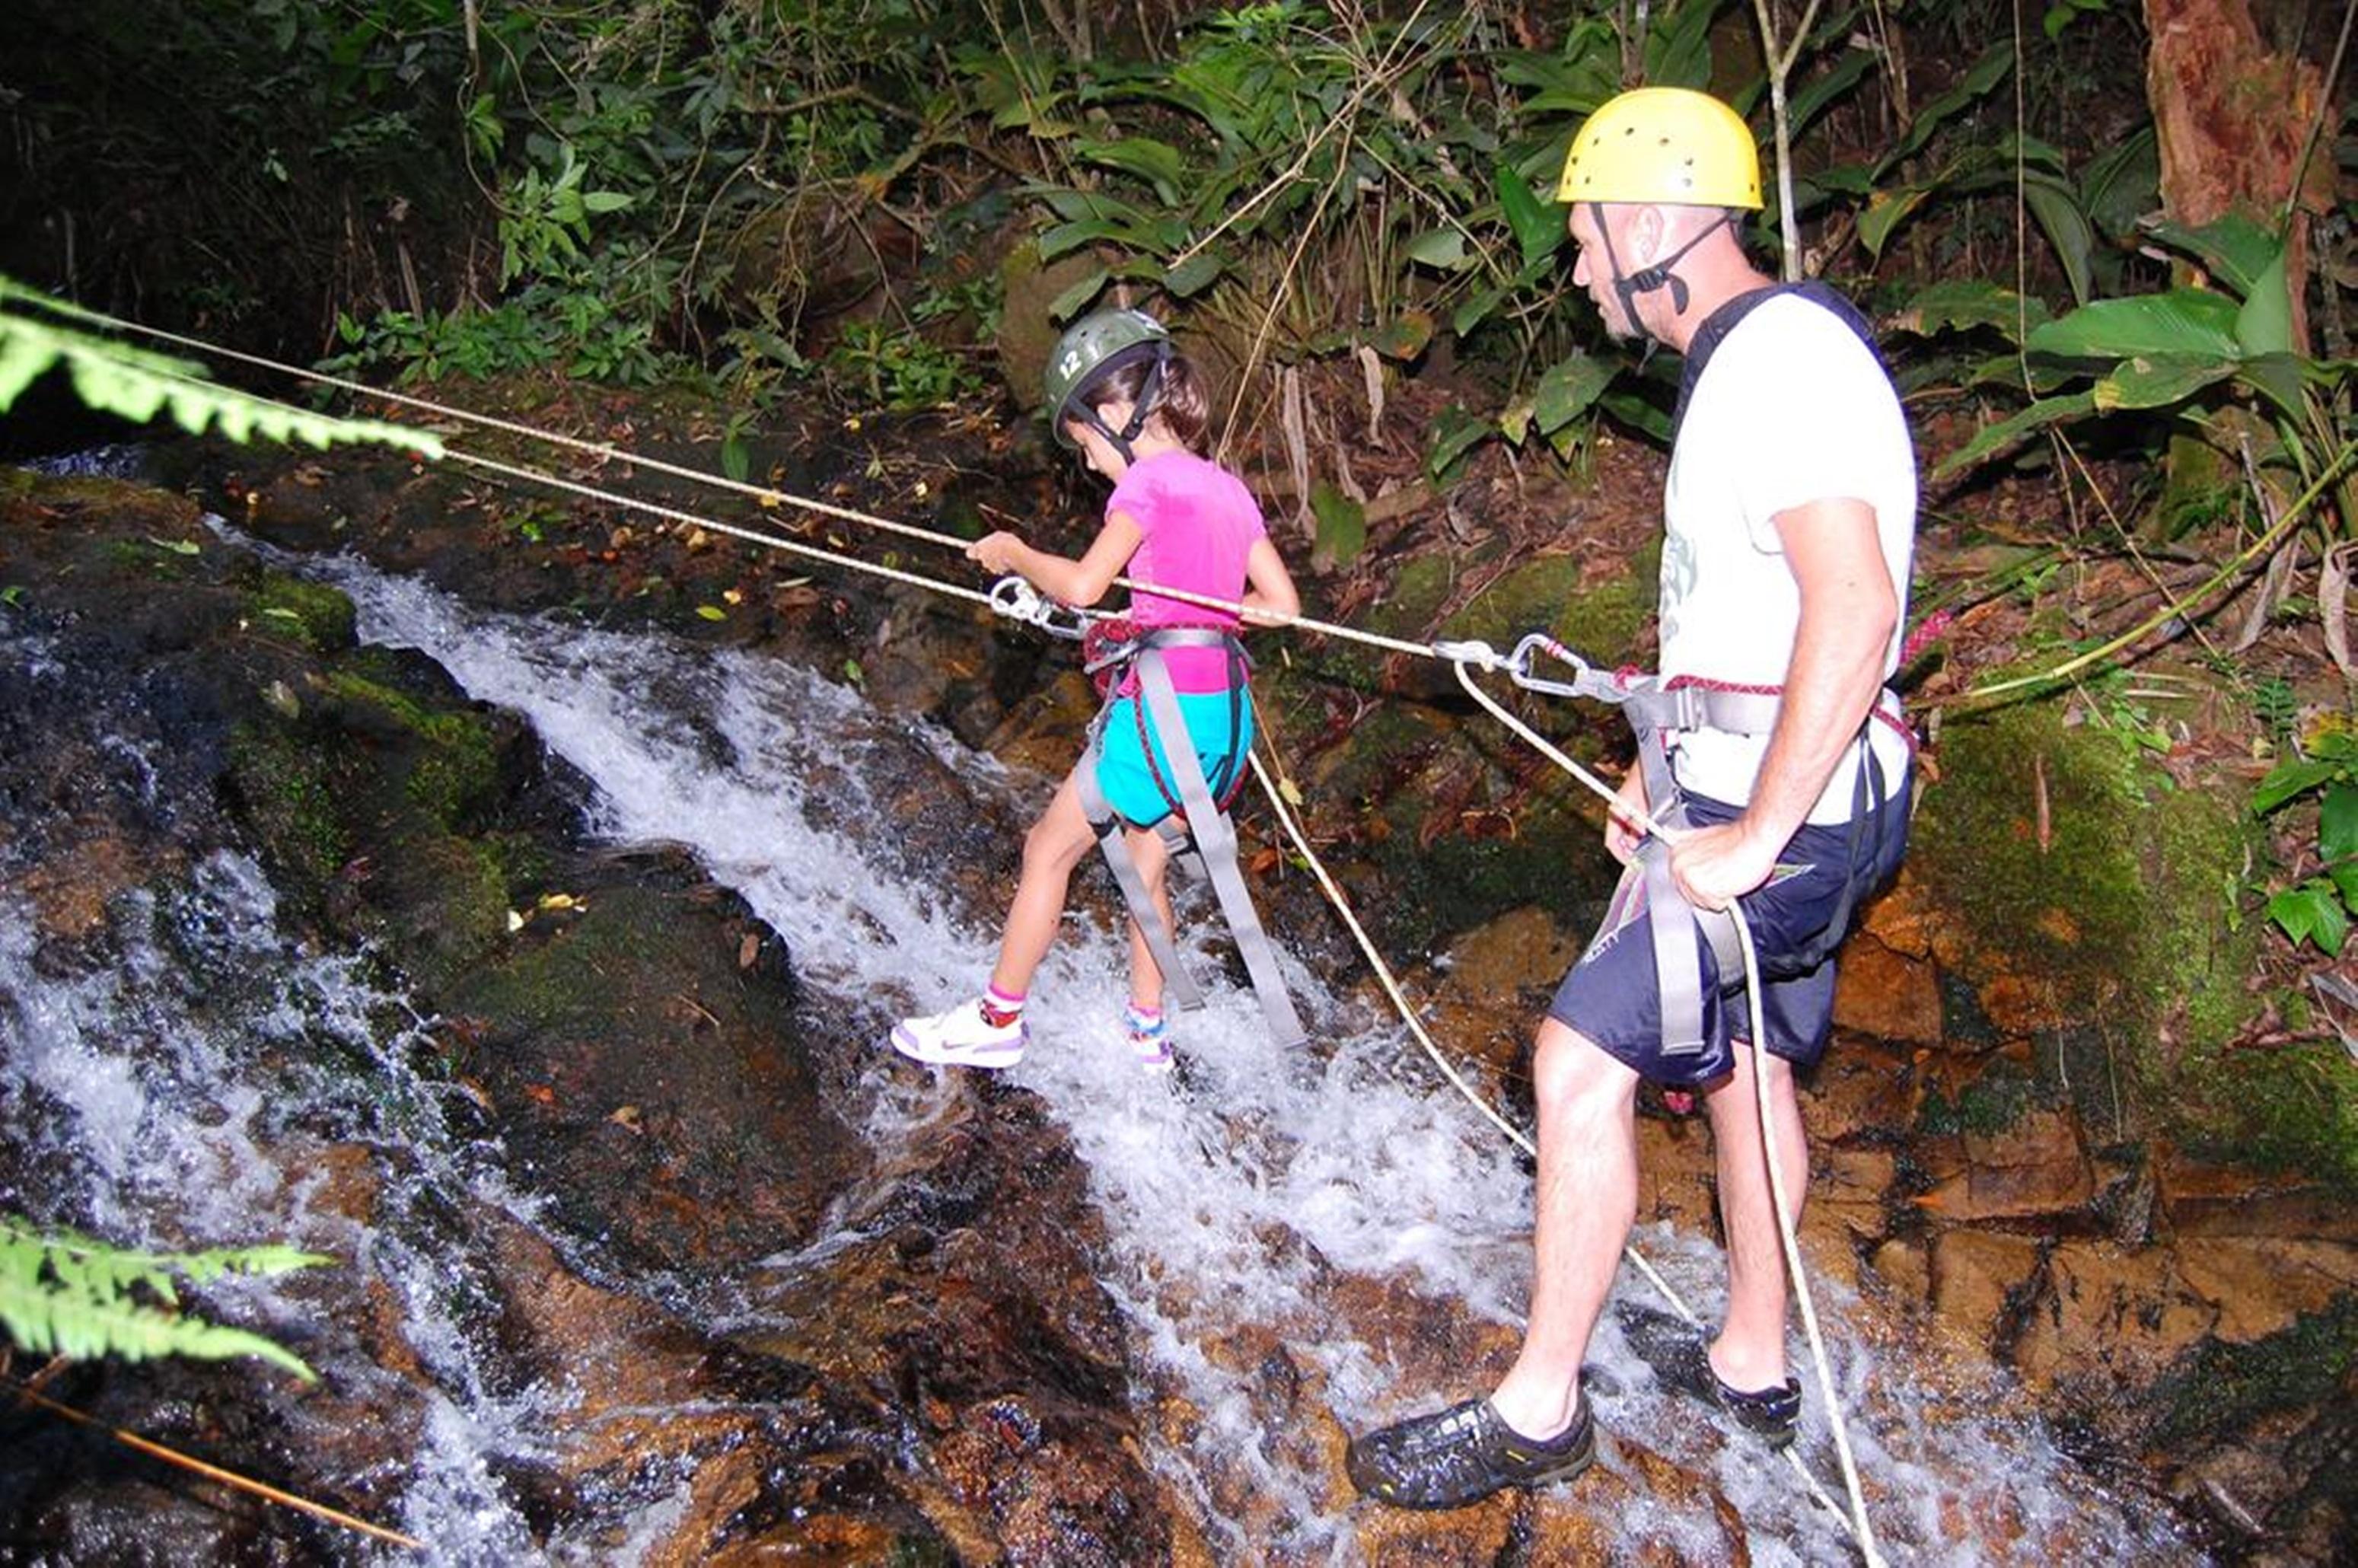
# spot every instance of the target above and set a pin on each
(1600, 621)
(453, 898)
(2005, 1091)
(2226, 1388)
(283, 786)
(458, 762)
(319, 617)
(2125, 913)
(2292, 1108)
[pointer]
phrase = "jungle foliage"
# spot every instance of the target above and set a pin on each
(760, 191)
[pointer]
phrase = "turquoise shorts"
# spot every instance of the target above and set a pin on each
(1219, 725)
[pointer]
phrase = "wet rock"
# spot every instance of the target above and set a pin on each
(1883, 992)
(2111, 1317)
(2034, 1167)
(1982, 1281)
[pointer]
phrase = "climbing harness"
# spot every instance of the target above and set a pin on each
(1660, 712)
(1022, 602)
(1128, 661)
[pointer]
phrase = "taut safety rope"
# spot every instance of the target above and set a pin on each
(1460, 657)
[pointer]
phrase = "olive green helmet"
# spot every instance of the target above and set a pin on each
(1094, 348)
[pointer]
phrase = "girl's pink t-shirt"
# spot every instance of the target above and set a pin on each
(1199, 523)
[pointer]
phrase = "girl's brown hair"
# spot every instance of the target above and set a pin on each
(1183, 402)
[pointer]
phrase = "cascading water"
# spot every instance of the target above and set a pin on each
(1260, 1198)
(1235, 1198)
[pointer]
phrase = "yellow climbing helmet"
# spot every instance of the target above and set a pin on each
(1667, 144)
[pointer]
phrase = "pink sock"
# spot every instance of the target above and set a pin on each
(1000, 1008)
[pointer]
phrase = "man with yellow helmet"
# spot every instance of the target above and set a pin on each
(1789, 521)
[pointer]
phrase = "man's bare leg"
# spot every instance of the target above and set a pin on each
(1749, 1352)
(1585, 1202)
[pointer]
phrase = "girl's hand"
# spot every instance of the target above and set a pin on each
(997, 552)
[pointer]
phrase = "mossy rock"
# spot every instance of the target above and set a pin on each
(2224, 1388)
(283, 786)
(2122, 918)
(452, 755)
(1403, 762)
(319, 617)
(1601, 621)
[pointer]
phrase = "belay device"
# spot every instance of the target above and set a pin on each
(1198, 826)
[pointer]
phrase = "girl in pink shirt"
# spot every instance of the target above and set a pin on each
(1136, 411)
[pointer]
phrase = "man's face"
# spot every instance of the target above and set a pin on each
(1594, 273)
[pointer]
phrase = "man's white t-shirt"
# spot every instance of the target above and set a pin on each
(1791, 407)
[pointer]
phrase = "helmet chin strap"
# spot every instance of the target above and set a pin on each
(1646, 280)
(1149, 393)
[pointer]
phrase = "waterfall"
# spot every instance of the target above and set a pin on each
(1256, 1195)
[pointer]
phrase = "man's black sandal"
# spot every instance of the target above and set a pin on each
(1680, 1360)
(1461, 1456)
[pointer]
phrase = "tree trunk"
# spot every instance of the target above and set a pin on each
(2232, 119)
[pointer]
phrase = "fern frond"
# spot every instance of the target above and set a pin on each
(137, 383)
(65, 1295)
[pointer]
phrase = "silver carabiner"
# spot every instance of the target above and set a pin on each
(1015, 597)
(1583, 683)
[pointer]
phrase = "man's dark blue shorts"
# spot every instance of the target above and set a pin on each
(1612, 996)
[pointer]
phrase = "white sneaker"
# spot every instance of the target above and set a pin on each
(1149, 1042)
(961, 1037)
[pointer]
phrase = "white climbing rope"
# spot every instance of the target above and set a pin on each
(1458, 658)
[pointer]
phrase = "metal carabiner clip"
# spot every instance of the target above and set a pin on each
(1015, 597)
(1519, 665)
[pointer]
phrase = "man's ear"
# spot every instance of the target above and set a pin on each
(1648, 224)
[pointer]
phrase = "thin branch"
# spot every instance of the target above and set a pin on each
(215, 1473)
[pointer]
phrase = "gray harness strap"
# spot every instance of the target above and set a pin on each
(1655, 713)
(1107, 824)
(1215, 840)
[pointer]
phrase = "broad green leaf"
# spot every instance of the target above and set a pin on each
(1802, 107)
(1444, 248)
(1963, 303)
(2337, 824)
(24, 356)
(2263, 326)
(1678, 46)
(1455, 432)
(711, 612)
(1068, 304)
(1569, 389)
(2024, 422)
(1158, 163)
(2313, 912)
(1195, 275)
(1638, 413)
(1058, 238)
(607, 200)
(2233, 248)
(2289, 779)
(2180, 321)
(1538, 225)
(2057, 207)
(2122, 183)
(1986, 73)
(1404, 337)
(2285, 379)
(2159, 380)
(1469, 314)
(1885, 210)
